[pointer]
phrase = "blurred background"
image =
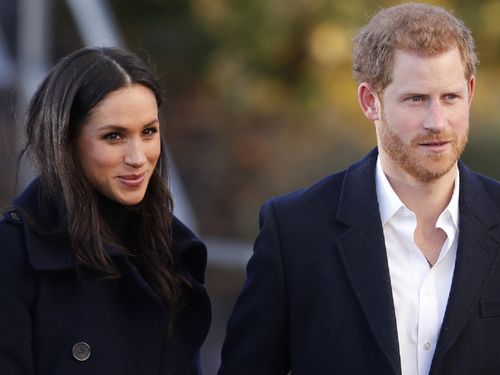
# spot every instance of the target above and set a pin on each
(260, 101)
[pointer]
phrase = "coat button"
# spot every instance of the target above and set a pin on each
(14, 215)
(81, 351)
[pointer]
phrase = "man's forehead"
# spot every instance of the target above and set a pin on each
(412, 73)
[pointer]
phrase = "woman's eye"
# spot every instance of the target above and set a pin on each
(112, 137)
(150, 131)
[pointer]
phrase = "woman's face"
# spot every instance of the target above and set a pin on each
(119, 145)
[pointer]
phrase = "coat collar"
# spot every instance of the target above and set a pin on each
(49, 252)
(367, 266)
(44, 223)
(362, 250)
(358, 198)
(477, 252)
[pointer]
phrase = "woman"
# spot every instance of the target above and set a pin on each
(97, 275)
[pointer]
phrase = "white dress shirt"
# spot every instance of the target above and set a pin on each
(420, 293)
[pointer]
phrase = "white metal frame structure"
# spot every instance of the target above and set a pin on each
(97, 27)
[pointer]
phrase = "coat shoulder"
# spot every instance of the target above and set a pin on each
(327, 191)
(312, 199)
(479, 196)
(13, 251)
(491, 186)
(18, 293)
(11, 232)
(189, 251)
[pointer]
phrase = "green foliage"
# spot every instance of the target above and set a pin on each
(262, 99)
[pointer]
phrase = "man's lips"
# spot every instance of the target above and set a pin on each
(434, 143)
(435, 146)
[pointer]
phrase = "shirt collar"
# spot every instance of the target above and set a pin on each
(389, 202)
(452, 208)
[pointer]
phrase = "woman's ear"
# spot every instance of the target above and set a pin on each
(369, 101)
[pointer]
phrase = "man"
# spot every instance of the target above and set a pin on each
(391, 266)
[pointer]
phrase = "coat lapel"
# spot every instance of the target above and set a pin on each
(362, 250)
(476, 254)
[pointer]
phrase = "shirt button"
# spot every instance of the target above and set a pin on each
(427, 292)
(427, 346)
(81, 351)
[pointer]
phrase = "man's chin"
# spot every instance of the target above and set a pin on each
(431, 170)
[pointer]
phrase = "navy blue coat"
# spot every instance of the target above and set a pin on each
(317, 299)
(47, 305)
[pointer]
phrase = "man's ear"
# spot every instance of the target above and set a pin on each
(369, 101)
(472, 88)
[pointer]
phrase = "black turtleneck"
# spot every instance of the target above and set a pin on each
(123, 222)
(121, 219)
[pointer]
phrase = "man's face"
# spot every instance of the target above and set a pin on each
(424, 115)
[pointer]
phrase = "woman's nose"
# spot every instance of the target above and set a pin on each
(134, 154)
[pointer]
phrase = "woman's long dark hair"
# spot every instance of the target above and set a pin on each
(57, 111)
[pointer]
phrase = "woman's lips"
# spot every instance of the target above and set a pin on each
(131, 180)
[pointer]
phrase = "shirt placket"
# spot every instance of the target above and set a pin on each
(427, 323)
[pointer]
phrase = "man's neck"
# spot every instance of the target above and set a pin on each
(426, 199)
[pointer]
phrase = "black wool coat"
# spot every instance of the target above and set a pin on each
(318, 297)
(60, 319)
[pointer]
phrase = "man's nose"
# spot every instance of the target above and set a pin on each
(435, 120)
